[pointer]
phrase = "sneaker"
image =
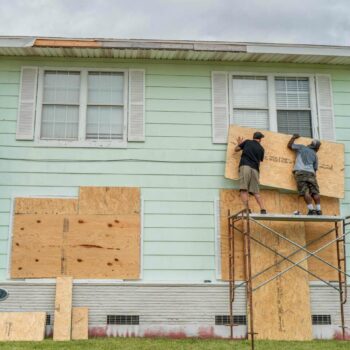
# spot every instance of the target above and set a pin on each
(312, 212)
(263, 211)
(297, 212)
(319, 212)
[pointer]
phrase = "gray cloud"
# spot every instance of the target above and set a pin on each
(287, 21)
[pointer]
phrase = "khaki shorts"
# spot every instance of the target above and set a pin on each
(248, 179)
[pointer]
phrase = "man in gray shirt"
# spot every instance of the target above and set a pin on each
(306, 165)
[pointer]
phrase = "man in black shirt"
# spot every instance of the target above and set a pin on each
(252, 155)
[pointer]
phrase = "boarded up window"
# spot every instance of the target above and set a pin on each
(95, 236)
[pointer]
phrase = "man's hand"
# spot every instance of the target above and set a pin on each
(291, 141)
(239, 141)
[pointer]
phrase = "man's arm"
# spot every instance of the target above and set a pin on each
(239, 143)
(316, 164)
(291, 141)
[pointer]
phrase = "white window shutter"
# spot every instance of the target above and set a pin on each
(325, 107)
(27, 102)
(220, 113)
(136, 122)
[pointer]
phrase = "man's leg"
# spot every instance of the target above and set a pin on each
(315, 193)
(244, 179)
(245, 198)
(255, 190)
(260, 201)
(303, 189)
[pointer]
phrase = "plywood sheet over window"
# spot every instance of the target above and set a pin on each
(95, 236)
(288, 313)
(276, 170)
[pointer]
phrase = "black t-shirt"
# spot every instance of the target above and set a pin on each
(252, 155)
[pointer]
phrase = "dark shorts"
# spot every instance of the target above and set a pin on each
(306, 183)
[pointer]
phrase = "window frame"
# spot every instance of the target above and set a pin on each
(81, 141)
(271, 96)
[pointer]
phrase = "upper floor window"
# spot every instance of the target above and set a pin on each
(293, 106)
(277, 103)
(250, 101)
(81, 106)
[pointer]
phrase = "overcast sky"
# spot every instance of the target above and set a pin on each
(284, 21)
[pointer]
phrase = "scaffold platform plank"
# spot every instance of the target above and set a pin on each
(305, 218)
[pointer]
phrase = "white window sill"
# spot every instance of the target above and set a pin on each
(87, 144)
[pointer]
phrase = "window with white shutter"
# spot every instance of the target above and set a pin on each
(284, 103)
(220, 111)
(293, 106)
(87, 107)
(105, 106)
(250, 101)
(60, 106)
(136, 127)
(27, 103)
(325, 107)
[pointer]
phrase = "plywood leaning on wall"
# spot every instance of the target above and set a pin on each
(63, 309)
(287, 315)
(276, 169)
(80, 323)
(95, 236)
(22, 326)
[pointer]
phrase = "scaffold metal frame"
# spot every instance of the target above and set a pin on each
(245, 217)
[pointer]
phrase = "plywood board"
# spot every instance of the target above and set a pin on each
(63, 309)
(36, 246)
(276, 169)
(80, 323)
(50, 239)
(47, 206)
(22, 326)
(283, 318)
(104, 246)
(314, 230)
(109, 200)
(293, 295)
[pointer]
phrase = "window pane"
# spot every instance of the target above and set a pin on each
(104, 122)
(105, 88)
(292, 93)
(60, 122)
(290, 122)
(257, 119)
(250, 92)
(61, 87)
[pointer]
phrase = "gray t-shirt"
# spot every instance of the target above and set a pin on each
(306, 159)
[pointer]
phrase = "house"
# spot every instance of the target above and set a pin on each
(154, 115)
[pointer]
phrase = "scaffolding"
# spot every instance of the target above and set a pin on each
(241, 223)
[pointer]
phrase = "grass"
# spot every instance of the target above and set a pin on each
(165, 344)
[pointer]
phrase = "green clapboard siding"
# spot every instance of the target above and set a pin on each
(178, 168)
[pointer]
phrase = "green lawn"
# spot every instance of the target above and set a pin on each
(165, 344)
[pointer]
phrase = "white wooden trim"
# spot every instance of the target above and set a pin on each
(217, 239)
(217, 122)
(313, 105)
(81, 142)
(20, 135)
(331, 108)
(10, 236)
(271, 95)
(141, 236)
(83, 105)
(126, 103)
